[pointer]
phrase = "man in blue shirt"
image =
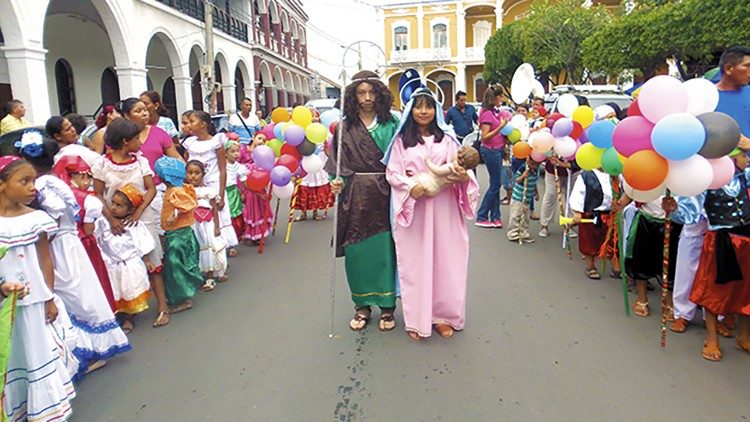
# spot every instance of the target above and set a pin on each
(462, 116)
(734, 92)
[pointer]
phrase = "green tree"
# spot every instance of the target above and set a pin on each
(503, 53)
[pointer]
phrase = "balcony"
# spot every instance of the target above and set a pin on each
(223, 20)
(474, 54)
(421, 55)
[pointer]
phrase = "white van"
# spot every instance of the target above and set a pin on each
(321, 105)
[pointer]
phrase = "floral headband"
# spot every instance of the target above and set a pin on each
(132, 193)
(31, 143)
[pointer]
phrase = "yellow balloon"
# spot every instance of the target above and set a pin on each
(280, 114)
(583, 115)
(621, 157)
(302, 116)
(589, 157)
(316, 133)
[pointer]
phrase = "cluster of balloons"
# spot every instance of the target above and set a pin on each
(293, 139)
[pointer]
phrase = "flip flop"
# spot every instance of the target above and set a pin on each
(159, 321)
(708, 356)
(387, 322)
(184, 306)
(358, 318)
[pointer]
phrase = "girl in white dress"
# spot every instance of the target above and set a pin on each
(213, 252)
(127, 255)
(37, 383)
(99, 336)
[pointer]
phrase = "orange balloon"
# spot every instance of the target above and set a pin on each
(521, 150)
(280, 114)
(645, 170)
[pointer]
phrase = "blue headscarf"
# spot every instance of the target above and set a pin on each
(170, 170)
(439, 116)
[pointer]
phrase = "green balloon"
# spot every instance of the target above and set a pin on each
(611, 163)
(275, 145)
(514, 136)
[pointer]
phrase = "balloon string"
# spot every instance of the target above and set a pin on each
(566, 228)
(291, 209)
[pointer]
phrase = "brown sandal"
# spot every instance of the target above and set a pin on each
(387, 322)
(184, 306)
(160, 319)
(414, 336)
(360, 317)
(593, 274)
(723, 330)
(641, 309)
(445, 330)
(709, 353)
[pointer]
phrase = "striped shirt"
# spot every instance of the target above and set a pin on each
(530, 185)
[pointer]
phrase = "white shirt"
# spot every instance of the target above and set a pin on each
(205, 152)
(578, 193)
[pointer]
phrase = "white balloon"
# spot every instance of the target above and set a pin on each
(284, 192)
(525, 132)
(702, 96)
(522, 83)
(543, 141)
(643, 196)
(312, 164)
(689, 177)
(564, 147)
(603, 111)
(566, 104)
(537, 89)
(519, 121)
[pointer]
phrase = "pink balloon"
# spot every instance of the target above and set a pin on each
(631, 135)
(661, 96)
(538, 156)
(268, 131)
(723, 172)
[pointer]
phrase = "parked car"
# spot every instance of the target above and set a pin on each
(597, 95)
(321, 105)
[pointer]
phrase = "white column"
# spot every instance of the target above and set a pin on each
(230, 98)
(460, 77)
(183, 94)
(28, 80)
(498, 14)
(132, 81)
(460, 31)
(420, 27)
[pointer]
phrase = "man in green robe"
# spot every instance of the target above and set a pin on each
(364, 228)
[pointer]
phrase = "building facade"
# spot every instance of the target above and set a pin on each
(61, 56)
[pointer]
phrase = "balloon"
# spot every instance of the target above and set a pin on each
(233, 136)
(514, 136)
(644, 196)
(316, 133)
(275, 145)
(264, 157)
(723, 172)
(584, 138)
(287, 149)
(280, 176)
(302, 116)
(280, 114)
(601, 112)
(294, 135)
(521, 150)
(577, 131)
(583, 115)
(566, 104)
(678, 136)
(661, 96)
(332, 128)
(562, 127)
(278, 131)
(702, 96)
(268, 130)
(645, 170)
(330, 116)
(611, 163)
(538, 156)
(565, 147)
(689, 177)
(722, 134)
(312, 164)
(525, 132)
(257, 180)
(306, 148)
(634, 109)
(519, 121)
(284, 192)
(543, 141)
(632, 134)
(522, 83)
(507, 129)
(289, 162)
(589, 157)
(600, 133)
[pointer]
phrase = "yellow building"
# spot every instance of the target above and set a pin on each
(444, 41)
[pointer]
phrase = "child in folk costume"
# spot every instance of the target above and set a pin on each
(77, 174)
(314, 193)
(37, 384)
(257, 210)
(591, 198)
(126, 255)
(76, 282)
(207, 146)
(236, 177)
(213, 252)
(526, 178)
(722, 281)
(122, 166)
(182, 274)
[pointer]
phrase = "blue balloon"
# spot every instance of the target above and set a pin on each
(678, 136)
(277, 131)
(507, 129)
(562, 127)
(600, 133)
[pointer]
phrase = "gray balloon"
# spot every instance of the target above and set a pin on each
(306, 148)
(722, 134)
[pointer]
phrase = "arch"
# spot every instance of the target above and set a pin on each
(305, 86)
(260, 6)
(66, 94)
(169, 98)
(302, 36)
(295, 31)
(432, 72)
(289, 82)
(195, 62)
(221, 59)
(265, 74)
(163, 36)
(242, 80)
(482, 32)
(284, 21)
(109, 86)
(446, 80)
(298, 84)
(14, 33)
(490, 3)
(278, 79)
(273, 11)
(393, 87)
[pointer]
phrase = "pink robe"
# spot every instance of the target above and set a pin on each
(432, 242)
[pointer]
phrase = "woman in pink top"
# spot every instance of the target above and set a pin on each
(491, 122)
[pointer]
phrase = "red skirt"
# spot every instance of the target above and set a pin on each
(722, 299)
(591, 236)
(95, 255)
(311, 199)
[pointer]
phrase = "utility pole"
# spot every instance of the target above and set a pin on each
(208, 67)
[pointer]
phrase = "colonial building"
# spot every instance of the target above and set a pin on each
(60, 56)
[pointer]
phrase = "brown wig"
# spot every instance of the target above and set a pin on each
(383, 97)
(410, 135)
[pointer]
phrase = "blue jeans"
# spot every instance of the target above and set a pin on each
(490, 208)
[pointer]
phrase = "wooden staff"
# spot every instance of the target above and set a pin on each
(620, 227)
(276, 216)
(665, 275)
(265, 225)
(291, 209)
(566, 228)
(522, 220)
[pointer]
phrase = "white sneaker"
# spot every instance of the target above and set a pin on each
(544, 232)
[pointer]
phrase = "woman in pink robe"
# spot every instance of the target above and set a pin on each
(432, 242)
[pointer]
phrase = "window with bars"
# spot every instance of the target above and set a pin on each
(400, 38)
(440, 36)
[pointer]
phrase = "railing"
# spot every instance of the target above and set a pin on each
(421, 55)
(223, 21)
(474, 53)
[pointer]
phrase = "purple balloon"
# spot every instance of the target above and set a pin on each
(268, 130)
(584, 138)
(631, 135)
(294, 135)
(264, 157)
(280, 176)
(562, 127)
